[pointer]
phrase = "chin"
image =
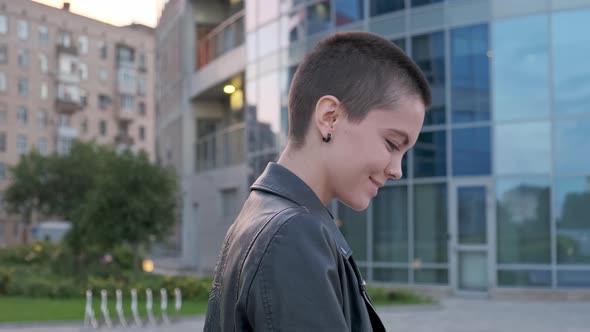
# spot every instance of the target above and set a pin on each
(356, 203)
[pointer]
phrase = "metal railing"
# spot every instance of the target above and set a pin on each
(223, 38)
(222, 148)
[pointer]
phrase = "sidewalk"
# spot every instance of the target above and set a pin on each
(452, 315)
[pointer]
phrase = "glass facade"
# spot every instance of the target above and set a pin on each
(500, 163)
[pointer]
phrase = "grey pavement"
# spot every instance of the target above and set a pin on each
(451, 315)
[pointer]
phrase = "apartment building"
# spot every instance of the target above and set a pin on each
(66, 77)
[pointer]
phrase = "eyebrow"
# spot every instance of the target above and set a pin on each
(397, 132)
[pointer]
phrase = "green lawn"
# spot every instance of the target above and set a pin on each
(22, 309)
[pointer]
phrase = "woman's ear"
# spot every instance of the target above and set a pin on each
(327, 113)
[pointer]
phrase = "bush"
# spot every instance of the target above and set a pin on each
(6, 279)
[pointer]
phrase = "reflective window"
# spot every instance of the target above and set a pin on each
(471, 151)
(266, 115)
(526, 278)
(470, 74)
(520, 68)
(379, 7)
(431, 276)
(348, 11)
(390, 275)
(522, 148)
(571, 51)
(569, 137)
(428, 53)
(430, 154)
(576, 279)
(430, 223)
(3, 24)
(523, 230)
(390, 225)
(353, 225)
(572, 207)
(416, 3)
(401, 43)
(472, 215)
(318, 17)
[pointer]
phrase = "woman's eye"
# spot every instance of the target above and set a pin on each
(392, 146)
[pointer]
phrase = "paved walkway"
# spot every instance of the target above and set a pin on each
(452, 315)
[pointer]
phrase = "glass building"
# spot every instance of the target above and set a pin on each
(496, 192)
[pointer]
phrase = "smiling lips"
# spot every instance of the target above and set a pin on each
(377, 186)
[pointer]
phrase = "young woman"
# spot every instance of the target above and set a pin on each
(356, 105)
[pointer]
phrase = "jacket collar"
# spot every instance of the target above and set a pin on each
(279, 181)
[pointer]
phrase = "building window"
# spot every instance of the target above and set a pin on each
(83, 71)
(42, 146)
(3, 24)
(523, 148)
(102, 127)
(141, 61)
(103, 49)
(43, 34)
(63, 121)
(141, 86)
(43, 119)
(104, 102)
(23, 30)
(353, 225)
(23, 87)
(141, 108)
(348, 11)
(103, 74)
(23, 58)
(430, 155)
(229, 199)
(318, 17)
(21, 144)
(83, 44)
(428, 52)
(470, 74)
(43, 63)
(44, 90)
(520, 68)
(390, 225)
(3, 54)
(2, 172)
(2, 142)
(127, 102)
(84, 126)
(64, 145)
(523, 225)
(83, 98)
(125, 54)
(65, 39)
(22, 116)
(379, 7)
(3, 83)
(141, 133)
(3, 113)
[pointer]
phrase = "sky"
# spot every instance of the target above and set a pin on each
(116, 12)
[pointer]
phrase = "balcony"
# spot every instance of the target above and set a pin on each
(67, 106)
(223, 148)
(71, 49)
(125, 114)
(67, 132)
(223, 38)
(124, 139)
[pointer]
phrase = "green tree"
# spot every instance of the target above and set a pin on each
(28, 191)
(132, 203)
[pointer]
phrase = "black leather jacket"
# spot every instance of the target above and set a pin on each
(285, 266)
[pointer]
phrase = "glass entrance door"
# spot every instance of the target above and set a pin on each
(471, 218)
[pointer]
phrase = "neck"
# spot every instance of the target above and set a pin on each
(309, 169)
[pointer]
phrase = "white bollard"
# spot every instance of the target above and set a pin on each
(149, 306)
(89, 319)
(134, 308)
(105, 309)
(164, 306)
(120, 312)
(177, 301)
